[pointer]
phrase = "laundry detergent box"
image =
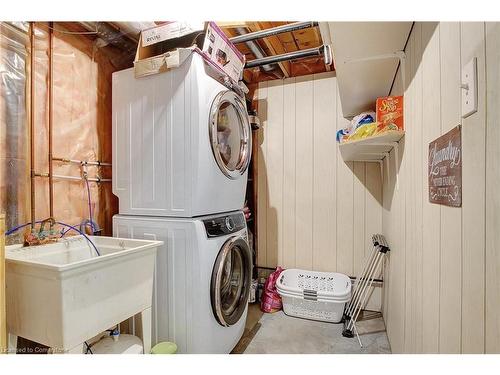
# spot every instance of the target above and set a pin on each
(219, 50)
(389, 112)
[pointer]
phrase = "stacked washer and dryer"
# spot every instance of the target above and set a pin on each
(181, 149)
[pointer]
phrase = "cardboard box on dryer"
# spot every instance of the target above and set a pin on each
(168, 45)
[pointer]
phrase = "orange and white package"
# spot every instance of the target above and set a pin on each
(390, 112)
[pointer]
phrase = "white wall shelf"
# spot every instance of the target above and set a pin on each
(375, 149)
(371, 148)
(366, 56)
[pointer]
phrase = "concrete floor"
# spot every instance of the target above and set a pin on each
(282, 334)
(252, 326)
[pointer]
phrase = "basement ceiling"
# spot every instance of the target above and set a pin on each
(277, 45)
(121, 40)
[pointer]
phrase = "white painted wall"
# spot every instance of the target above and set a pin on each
(314, 211)
(443, 278)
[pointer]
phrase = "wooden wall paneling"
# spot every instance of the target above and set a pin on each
(387, 262)
(299, 172)
(473, 197)
(274, 165)
(446, 300)
(401, 188)
(431, 128)
(492, 323)
(262, 177)
(387, 198)
(373, 201)
(451, 217)
(324, 160)
(345, 205)
(289, 173)
(394, 278)
(406, 176)
(385, 298)
(393, 229)
(359, 230)
(417, 176)
(304, 172)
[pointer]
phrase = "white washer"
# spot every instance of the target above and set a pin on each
(202, 278)
(181, 143)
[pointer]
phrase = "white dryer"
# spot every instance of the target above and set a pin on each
(181, 143)
(202, 278)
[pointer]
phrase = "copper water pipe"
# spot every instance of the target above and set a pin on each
(32, 121)
(50, 110)
(74, 178)
(97, 163)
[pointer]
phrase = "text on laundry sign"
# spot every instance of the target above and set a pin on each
(445, 169)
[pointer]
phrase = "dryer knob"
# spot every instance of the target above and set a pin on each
(229, 223)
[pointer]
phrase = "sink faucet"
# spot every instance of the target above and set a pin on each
(32, 237)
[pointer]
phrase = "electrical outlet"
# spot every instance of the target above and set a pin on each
(469, 88)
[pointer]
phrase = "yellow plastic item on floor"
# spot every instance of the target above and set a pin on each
(164, 348)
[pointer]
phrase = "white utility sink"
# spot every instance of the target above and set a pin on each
(62, 294)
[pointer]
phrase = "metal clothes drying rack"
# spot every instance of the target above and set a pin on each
(363, 285)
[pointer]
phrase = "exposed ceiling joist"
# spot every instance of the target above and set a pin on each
(248, 75)
(274, 44)
(232, 24)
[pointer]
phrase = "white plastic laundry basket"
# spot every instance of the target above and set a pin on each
(314, 295)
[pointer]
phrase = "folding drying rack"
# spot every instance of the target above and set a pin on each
(363, 286)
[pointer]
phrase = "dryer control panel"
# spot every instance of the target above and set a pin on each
(224, 225)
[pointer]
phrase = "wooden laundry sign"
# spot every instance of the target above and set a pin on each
(445, 169)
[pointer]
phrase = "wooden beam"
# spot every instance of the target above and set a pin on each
(308, 66)
(248, 76)
(306, 38)
(252, 87)
(273, 44)
(231, 24)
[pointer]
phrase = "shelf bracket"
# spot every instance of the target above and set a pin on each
(387, 156)
(381, 164)
(395, 146)
(397, 55)
(402, 67)
(362, 151)
(396, 162)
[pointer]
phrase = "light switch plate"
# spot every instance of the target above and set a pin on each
(469, 88)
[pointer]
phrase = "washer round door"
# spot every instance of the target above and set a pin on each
(231, 279)
(230, 134)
